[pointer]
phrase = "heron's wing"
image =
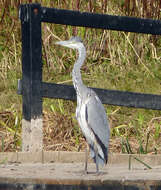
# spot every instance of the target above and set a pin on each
(97, 119)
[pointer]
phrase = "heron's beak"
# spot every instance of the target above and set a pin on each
(62, 43)
(69, 44)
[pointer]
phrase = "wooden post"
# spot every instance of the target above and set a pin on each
(30, 15)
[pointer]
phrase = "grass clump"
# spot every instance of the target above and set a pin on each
(115, 60)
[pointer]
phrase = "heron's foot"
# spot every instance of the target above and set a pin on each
(94, 173)
(98, 173)
(85, 172)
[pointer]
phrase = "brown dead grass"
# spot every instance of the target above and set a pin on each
(61, 133)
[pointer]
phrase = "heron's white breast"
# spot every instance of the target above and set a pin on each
(81, 117)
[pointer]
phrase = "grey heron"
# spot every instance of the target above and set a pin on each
(90, 112)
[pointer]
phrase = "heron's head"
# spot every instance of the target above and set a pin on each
(73, 42)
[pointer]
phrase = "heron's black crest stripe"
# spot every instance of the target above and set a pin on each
(104, 149)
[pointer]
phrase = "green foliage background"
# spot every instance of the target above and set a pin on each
(115, 60)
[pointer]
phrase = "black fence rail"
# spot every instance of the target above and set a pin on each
(31, 86)
(102, 21)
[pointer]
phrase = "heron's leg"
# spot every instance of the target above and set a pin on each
(86, 158)
(97, 165)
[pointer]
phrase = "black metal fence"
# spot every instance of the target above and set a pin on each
(31, 86)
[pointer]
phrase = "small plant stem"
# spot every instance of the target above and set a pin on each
(146, 165)
(130, 162)
(2, 144)
(138, 55)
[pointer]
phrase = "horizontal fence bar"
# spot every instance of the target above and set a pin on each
(111, 97)
(102, 21)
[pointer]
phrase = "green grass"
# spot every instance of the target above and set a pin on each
(115, 60)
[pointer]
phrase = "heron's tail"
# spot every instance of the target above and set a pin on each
(102, 156)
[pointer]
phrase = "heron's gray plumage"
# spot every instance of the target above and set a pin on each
(90, 112)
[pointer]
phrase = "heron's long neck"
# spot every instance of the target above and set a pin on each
(76, 74)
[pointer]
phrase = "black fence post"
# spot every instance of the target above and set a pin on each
(30, 15)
